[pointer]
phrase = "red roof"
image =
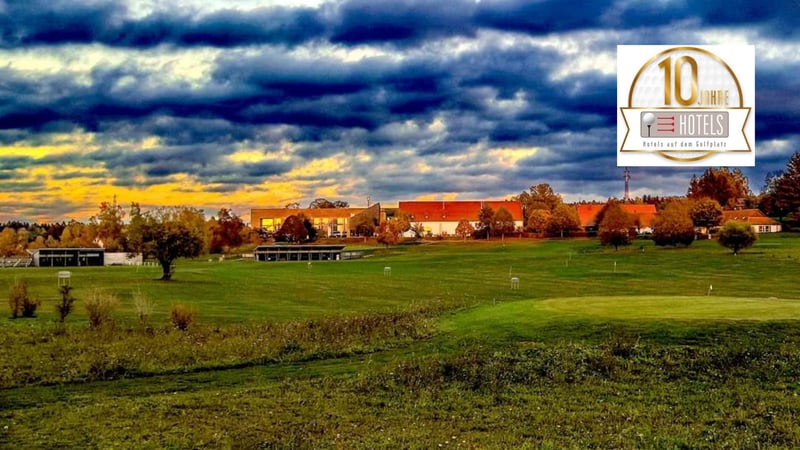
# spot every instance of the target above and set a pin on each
(588, 213)
(453, 211)
(752, 216)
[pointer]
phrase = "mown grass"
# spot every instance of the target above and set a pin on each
(443, 352)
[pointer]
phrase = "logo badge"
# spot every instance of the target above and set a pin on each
(685, 106)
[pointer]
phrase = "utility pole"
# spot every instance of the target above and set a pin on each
(627, 178)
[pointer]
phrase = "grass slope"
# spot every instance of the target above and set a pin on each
(587, 353)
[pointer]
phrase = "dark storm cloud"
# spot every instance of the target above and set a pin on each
(415, 102)
(777, 114)
(406, 21)
(39, 22)
(356, 22)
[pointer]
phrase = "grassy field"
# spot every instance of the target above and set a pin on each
(597, 348)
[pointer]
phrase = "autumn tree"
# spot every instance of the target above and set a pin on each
(292, 230)
(464, 229)
(540, 196)
(402, 220)
(736, 236)
(485, 217)
(77, 235)
(617, 226)
(562, 219)
(166, 234)
(107, 226)
(311, 230)
(227, 231)
(723, 185)
(767, 199)
(388, 233)
(673, 225)
(537, 220)
(502, 222)
(320, 203)
(787, 189)
(8, 242)
(363, 224)
(706, 213)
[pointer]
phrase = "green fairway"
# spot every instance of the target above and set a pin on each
(671, 308)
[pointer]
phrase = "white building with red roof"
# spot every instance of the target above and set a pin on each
(757, 219)
(645, 214)
(440, 218)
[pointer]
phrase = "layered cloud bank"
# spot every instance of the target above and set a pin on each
(233, 104)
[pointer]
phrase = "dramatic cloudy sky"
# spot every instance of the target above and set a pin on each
(247, 103)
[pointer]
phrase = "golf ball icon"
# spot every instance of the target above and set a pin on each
(648, 119)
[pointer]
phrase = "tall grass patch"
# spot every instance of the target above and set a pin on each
(99, 308)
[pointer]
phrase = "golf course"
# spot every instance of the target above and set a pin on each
(423, 345)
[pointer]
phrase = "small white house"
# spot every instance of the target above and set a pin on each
(757, 219)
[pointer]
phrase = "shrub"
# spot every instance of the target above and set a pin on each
(21, 304)
(144, 307)
(99, 308)
(736, 236)
(67, 300)
(181, 317)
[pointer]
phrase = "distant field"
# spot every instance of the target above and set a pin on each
(450, 272)
(597, 348)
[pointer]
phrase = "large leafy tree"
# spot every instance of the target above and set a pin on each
(540, 196)
(502, 222)
(563, 219)
(293, 229)
(228, 231)
(617, 226)
(767, 200)
(388, 233)
(537, 220)
(485, 217)
(725, 186)
(77, 234)
(8, 242)
(166, 234)
(402, 220)
(787, 189)
(706, 213)
(736, 236)
(673, 225)
(363, 224)
(108, 226)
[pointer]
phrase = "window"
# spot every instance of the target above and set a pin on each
(271, 224)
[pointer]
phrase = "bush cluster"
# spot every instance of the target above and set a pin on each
(181, 317)
(20, 302)
(99, 308)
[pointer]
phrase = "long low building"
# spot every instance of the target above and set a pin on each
(67, 257)
(333, 222)
(298, 252)
(441, 218)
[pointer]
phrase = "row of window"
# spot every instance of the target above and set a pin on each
(320, 223)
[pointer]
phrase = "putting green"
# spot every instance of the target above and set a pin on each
(678, 308)
(526, 319)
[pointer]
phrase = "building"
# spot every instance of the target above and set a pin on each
(757, 219)
(441, 218)
(67, 257)
(332, 222)
(645, 214)
(298, 252)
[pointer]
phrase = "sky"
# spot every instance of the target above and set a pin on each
(243, 104)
